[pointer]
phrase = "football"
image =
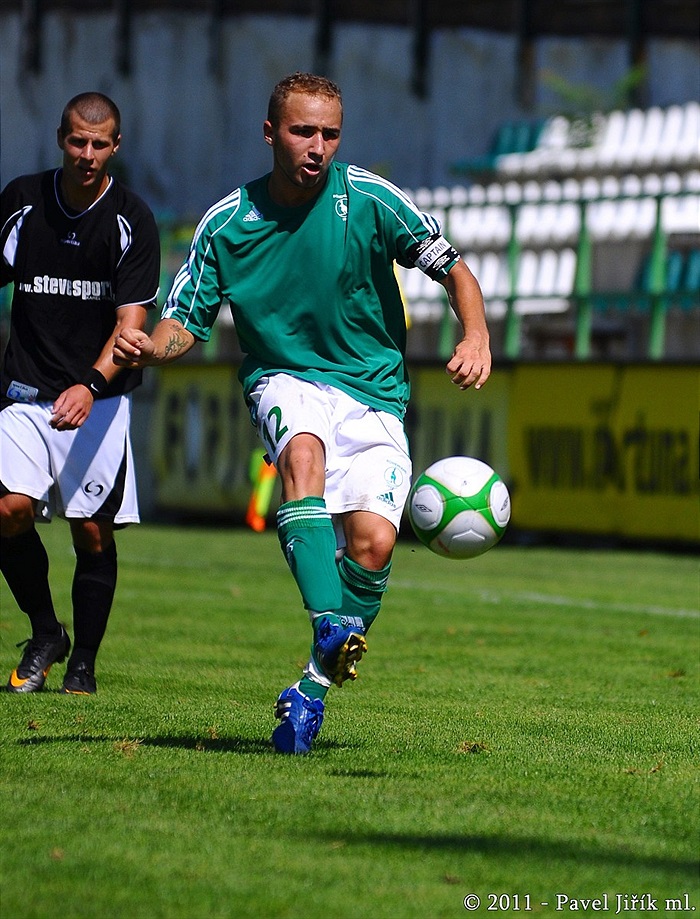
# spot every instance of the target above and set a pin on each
(459, 507)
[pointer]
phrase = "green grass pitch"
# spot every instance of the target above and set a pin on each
(524, 727)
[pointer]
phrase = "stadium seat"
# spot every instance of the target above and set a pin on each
(670, 134)
(494, 226)
(681, 214)
(545, 281)
(652, 138)
(463, 224)
(603, 154)
(567, 225)
(571, 189)
(495, 283)
(630, 142)
(552, 190)
(686, 152)
(423, 197)
(691, 181)
(600, 218)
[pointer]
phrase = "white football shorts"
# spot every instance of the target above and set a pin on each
(85, 473)
(368, 467)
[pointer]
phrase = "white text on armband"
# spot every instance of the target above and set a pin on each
(433, 255)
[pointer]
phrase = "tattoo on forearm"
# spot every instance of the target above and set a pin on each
(177, 341)
(174, 345)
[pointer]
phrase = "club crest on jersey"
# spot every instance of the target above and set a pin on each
(341, 206)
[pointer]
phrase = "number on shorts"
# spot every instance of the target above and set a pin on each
(279, 430)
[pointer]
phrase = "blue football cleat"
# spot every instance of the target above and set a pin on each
(300, 721)
(337, 650)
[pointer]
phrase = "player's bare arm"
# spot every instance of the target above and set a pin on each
(470, 363)
(72, 408)
(169, 340)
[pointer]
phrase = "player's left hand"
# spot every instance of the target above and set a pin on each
(470, 363)
(72, 408)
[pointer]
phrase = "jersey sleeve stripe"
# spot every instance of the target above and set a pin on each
(9, 250)
(188, 273)
(367, 183)
(125, 237)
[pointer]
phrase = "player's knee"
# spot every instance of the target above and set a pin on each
(301, 466)
(16, 515)
(91, 536)
(373, 550)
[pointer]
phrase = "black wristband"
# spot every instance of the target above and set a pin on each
(95, 382)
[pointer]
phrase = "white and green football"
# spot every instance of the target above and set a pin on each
(459, 507)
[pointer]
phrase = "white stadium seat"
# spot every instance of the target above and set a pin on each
(463, 226)
(687, 151)
(670, 135)
(681, 215)
(652, 137)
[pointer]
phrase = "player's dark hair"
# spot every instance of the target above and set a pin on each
(300, 82)
(95, 108)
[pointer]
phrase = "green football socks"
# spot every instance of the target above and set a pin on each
(362, 591)
(307, 537)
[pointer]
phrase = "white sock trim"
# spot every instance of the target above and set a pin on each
(312, 672)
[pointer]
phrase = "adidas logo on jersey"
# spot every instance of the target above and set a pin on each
(253, 214)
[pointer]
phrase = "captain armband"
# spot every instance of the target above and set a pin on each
(432, 255)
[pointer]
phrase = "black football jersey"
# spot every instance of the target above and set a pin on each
(70, 273)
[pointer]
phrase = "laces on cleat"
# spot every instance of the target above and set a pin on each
(38, 658)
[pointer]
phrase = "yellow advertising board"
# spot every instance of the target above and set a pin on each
(202, 440)
(599, 449)
(445, 421)
(606, 449)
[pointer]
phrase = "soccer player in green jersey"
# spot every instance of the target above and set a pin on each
(305, 257)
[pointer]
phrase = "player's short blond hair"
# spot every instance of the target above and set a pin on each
(300, 82)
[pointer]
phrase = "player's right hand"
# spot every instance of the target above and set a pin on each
(132, 348)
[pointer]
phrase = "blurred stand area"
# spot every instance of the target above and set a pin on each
(560, 147)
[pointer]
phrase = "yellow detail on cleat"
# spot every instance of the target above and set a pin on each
(349, 655)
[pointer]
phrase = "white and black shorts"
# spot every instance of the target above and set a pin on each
(86, 473)
(368, 466)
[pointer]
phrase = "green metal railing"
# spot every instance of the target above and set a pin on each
(660, 288)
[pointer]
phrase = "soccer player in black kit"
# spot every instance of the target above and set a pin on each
(83, 254)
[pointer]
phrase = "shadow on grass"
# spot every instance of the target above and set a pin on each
(526, 846)
(245, 745)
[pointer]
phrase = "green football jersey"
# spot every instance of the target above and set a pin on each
(312, 289)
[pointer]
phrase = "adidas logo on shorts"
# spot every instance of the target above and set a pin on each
(387, 498)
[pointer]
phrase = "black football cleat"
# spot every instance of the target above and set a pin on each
(79, 680)
(39, 656)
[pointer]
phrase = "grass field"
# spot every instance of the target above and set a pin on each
(524, 726)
